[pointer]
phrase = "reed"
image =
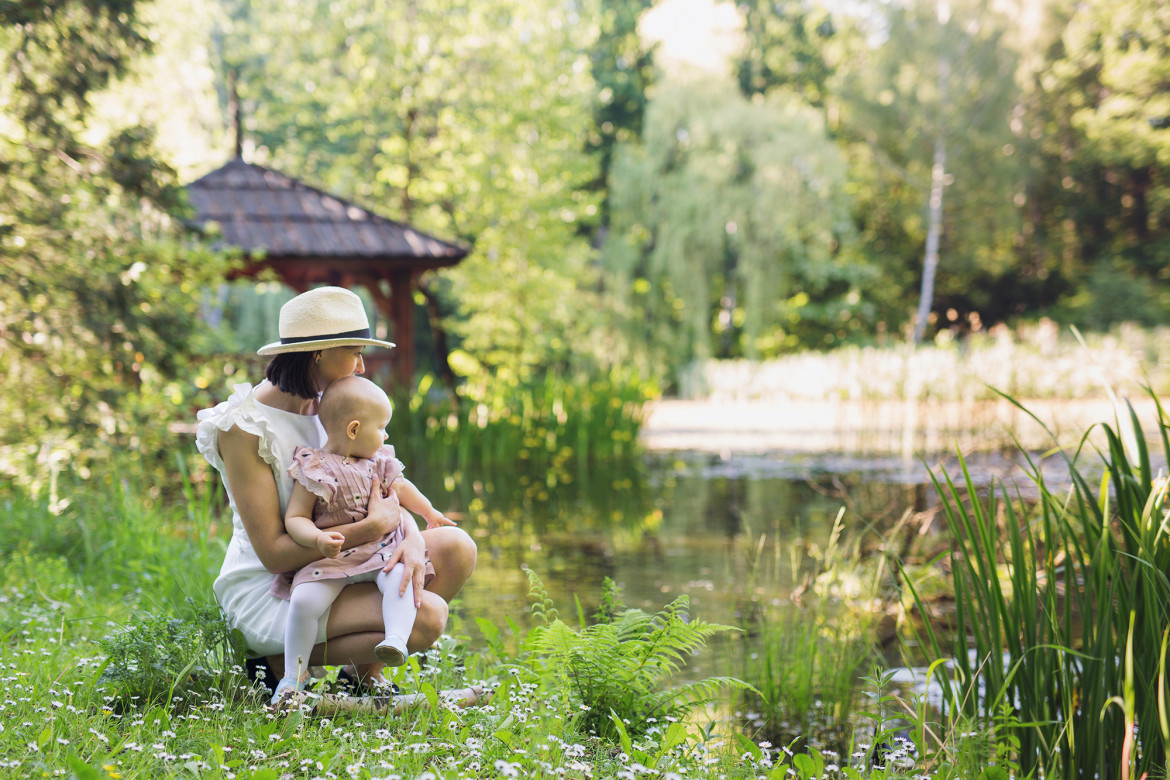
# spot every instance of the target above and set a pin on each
(808, 652)
(1033, 362)
(552, 422)
(1054, 596)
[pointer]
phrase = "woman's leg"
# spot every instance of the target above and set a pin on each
(355, 623)
(453, 554)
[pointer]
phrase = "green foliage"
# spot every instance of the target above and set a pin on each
(98, 303)
(616, 669)
(806, 667)
(701, 260)
(160, 660)
(786, 49)
(546, 426)
(621, 64)
(936, 79)
(1098, 201)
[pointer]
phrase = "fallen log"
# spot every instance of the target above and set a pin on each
(325, 704)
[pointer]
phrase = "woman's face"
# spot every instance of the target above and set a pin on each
(336, 363)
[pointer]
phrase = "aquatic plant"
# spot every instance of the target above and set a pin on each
(806, 666)
(1062, 606)
(550, 422)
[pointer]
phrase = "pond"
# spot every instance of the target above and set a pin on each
(726, 530)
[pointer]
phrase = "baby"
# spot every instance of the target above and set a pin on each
(332, 487)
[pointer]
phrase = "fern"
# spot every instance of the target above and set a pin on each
(621, 666)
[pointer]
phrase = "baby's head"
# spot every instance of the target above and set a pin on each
(355, 413)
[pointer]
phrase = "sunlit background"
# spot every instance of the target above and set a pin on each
(731, 282)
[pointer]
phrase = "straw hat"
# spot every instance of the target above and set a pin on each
(322, 318)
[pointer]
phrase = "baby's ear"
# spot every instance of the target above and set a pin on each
(352, 429)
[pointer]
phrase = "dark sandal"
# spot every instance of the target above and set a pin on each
(355, 687)
(258, 670)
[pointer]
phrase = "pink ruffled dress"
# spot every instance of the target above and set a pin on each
(342, 488)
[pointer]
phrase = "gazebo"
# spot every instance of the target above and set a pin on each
(309, 237)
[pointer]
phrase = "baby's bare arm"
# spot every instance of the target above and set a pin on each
(413, 499)
(299, 525)
(298, 521)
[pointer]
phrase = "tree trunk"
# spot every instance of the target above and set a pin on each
(933, 232)
(938, 173)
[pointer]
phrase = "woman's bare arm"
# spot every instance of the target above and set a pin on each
(253, 488)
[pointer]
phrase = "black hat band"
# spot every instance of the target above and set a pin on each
(360, 333)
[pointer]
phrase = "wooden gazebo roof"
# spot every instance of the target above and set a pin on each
(309, 237)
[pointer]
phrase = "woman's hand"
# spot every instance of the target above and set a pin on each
(384, 513)
(411, 552)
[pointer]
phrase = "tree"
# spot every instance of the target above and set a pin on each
(463, 117)
(622, 66)
(786, 49)
(728, 224)
(926, 117)
(97, 307)
(1097, 128)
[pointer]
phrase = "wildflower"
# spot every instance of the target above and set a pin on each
(508, 769)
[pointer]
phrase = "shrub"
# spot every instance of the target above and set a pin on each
(166, 659)
(615, 669)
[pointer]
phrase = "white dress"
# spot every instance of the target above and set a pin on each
(242, 587)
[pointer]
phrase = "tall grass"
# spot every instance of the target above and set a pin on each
(808, 653)
(552, 422)
(1053, 597)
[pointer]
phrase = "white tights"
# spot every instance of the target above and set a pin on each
(310, 601)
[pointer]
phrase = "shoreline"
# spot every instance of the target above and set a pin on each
(908, 430)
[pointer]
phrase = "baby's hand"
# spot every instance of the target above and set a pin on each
(436, 518)
(329, 543)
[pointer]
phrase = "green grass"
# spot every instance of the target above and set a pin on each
(113, 665)
(179, 706)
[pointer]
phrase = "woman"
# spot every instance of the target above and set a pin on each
(250, 439)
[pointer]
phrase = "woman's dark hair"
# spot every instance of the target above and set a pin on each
(290, 371)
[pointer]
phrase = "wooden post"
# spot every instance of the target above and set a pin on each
(402, 313)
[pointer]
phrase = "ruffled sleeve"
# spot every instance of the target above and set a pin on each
(387, 467)
(310, 469)
(239, 410)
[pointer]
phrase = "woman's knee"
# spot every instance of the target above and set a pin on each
(453, 553)
(429, 623)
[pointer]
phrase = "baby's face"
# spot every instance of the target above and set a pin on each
(374, 417)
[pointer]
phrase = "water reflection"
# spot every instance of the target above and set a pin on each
(725, 531)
